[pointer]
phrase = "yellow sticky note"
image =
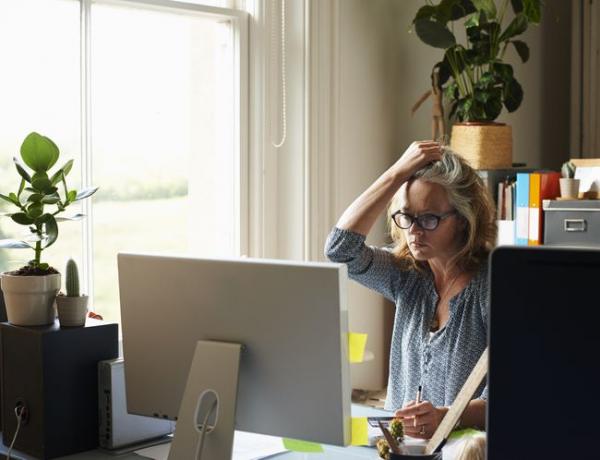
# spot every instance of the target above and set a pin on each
(296, 445)
(356, 347)
(360, 435)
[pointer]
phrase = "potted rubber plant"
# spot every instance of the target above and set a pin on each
(475, 80)
(30, 292)
(72, 306)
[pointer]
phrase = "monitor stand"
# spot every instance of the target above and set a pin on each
(210, 395)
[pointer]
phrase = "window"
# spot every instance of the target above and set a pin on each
(161, 128)
(39, 90)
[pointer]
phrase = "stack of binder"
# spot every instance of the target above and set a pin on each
(531, 189)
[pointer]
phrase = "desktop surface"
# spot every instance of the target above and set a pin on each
(329, 452)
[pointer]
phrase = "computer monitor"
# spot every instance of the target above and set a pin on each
(544, 368)
(290, 318)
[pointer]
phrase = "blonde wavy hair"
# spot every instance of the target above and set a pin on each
(472, 201)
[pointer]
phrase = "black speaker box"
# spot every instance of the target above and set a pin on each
(53, 371)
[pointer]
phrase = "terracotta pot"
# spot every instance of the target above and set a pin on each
(483, 145)
(30, 299)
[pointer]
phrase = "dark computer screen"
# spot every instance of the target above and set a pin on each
(544, 377)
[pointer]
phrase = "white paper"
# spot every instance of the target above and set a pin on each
(589, 177)
(506, 232)
(246, 446)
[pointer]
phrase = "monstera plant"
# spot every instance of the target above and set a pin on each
(37, 204)
(477, 82)
(473, 76)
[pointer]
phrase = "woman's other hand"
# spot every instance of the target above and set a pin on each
(422, 419)
(418, 155)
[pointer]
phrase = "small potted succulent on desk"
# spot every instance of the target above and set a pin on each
(569, 186)
(30, 292)
(72, 307)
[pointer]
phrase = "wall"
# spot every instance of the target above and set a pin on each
(369, 77)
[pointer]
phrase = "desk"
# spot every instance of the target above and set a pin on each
(330, 452)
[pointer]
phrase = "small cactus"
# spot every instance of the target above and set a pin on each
(72, 279)
(568, 170)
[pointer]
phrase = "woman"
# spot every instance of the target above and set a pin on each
(443, 228)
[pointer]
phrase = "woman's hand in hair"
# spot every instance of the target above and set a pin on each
(418, 155)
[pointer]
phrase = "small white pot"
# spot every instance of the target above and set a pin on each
(30, 299)
(569, 188)
(72, 311)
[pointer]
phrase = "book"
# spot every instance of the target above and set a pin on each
(522, 209)
(534, 209)
(542, 186)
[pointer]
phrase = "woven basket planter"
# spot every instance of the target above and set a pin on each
(483, 145)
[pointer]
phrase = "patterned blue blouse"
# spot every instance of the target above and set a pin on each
(441, 362)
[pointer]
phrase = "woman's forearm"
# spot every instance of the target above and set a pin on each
(474, 415)
(361, 215)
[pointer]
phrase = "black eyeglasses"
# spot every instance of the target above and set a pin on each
(424, 221)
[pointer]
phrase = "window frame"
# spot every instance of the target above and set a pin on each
(239, 21)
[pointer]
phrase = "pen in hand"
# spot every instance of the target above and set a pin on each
(417, 401)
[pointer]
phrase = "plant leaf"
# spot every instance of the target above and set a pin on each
(21, 170)
(517, 26)
(57, 176)
(39, 152)
(473, 21)
(425, 12)
(87, 192)
(71, 196)
(14, 244)
(451, 10)
(531, 8)
(434, 34)
(21, 218)
(513, 95)
(35, 197)
(74, 217)
(493, 106)
(522, 49)
(504, 71)
(41, 184)
(462, 8)
(21, 187)
(5, 198)
(51, 199)
(487, 6)
(35, 210)
(51, 230)
(517, 6)
(15, 199)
